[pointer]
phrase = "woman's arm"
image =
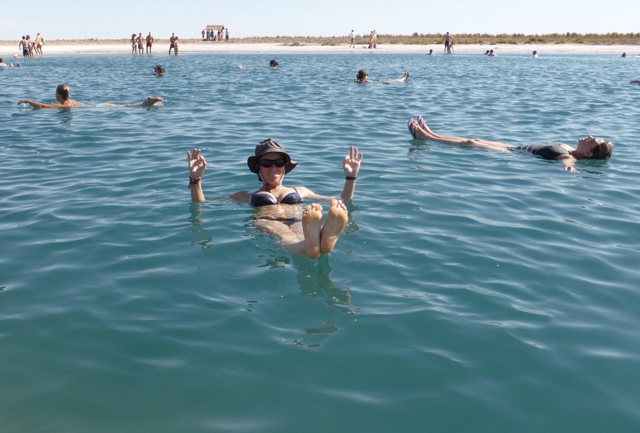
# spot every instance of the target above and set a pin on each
(568, 161)
(197, 167)
(351, 167)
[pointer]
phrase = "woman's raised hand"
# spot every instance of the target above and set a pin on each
(351, 162)
(197, 164)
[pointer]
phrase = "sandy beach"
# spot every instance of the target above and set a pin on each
(9, 49)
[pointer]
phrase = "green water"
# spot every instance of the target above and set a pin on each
(470, 291)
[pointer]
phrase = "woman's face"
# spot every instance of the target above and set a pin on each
(587, 144)
(271, 167)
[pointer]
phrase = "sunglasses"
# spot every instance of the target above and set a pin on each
(268, 163)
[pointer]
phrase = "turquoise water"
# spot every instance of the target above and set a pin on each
(471, 291)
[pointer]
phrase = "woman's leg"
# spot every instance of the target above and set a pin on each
(421, 131)
(315, 238)
(337, 219)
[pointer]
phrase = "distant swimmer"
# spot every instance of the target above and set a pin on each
(362, 76)
(587, 147)
(273, 64)
(63, 96)
(158, 71)
(535, 54)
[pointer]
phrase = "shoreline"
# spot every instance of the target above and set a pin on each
(8, 49)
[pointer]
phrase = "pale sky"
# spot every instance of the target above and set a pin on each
(116, 19)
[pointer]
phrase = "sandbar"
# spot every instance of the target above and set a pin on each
(9, 49)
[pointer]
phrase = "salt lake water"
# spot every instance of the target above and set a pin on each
(471, 291)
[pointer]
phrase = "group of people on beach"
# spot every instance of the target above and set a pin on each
(280, 210)
(213, 35)
(30, 48)
(139, 42)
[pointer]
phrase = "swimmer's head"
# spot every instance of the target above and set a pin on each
(273, 63)
(63, 91)
(602, 149)
(269, 146)
(362, 75)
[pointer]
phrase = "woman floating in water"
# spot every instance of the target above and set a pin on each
(63, 96)
(278, 207)
(363, 77)
(587, 148)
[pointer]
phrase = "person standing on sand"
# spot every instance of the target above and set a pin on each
(352, 36)
(139, 40)
(30, 45)
(448, 39)
(39, 43)
(173, 44)
(372, 39)
(149, 43)
(24, 46)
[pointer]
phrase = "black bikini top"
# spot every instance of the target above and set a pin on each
(266, 199)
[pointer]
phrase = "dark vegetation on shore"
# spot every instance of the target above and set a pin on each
(462, 39)
(414, 39)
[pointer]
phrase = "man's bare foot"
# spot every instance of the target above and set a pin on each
(337, 219)
(311, 226)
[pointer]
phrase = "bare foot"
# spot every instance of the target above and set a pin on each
(419, 129)
(337, 219)
(153, 100)
(311, 226)
(412, 125)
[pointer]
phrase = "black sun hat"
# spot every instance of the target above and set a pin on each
(270, 146)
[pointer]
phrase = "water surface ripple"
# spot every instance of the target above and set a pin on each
(471, 291)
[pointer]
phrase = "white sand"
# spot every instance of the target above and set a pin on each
(66, 47)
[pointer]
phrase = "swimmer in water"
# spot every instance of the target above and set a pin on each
(587, 147)
(63, 96)
(279, 208)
